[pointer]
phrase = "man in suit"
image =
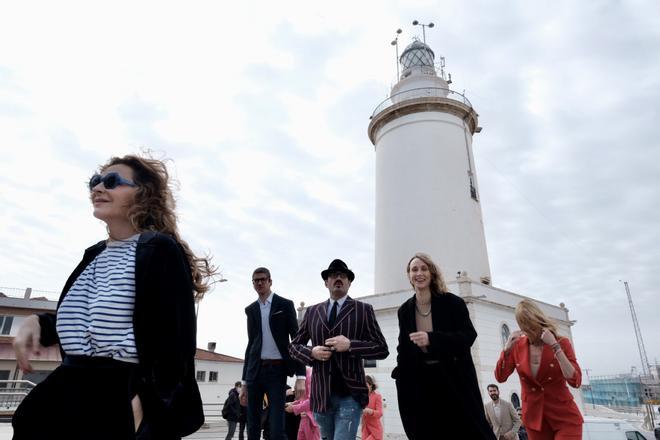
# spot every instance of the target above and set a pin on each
(271, 320)
(501, 415)
(343, 332)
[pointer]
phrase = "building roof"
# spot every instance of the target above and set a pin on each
(205, 355)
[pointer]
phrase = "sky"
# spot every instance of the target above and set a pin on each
(261, 109)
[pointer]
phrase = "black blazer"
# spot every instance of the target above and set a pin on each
(450, 343)
(283, 325)
(164, 325)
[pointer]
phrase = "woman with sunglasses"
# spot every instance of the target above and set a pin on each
(125, 322)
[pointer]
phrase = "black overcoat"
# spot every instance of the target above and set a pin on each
(449, 352)
(164, 326)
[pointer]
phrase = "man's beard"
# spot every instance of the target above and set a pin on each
(495, 397)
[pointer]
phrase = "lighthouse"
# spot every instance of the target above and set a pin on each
(428, 200)
(427, 195)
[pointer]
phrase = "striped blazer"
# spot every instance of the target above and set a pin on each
(357, 321)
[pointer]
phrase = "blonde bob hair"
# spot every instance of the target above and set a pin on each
(438, 286)
(530, 316)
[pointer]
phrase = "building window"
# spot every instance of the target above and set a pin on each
(201, 376)
(515, 400)
(5, 324)
(369, 363)
(505, 334)
(213, 376)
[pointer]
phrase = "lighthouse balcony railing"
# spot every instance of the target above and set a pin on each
(423, 92)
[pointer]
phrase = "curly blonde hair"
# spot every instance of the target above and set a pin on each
(438, 286)
(154, 210)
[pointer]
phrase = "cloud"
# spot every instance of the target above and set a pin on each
(264, 117)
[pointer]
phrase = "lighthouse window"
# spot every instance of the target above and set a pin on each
(473, 190)
(505, 332)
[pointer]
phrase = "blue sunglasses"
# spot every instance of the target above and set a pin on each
(109, 181)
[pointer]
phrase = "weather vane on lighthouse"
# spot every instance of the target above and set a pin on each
(417, 23)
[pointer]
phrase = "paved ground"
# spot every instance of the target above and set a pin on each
(215, 430)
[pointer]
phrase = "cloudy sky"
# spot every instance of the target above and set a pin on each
(262, 108)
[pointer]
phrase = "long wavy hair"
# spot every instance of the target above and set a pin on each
(438, 286)
(154, 209)
(530, 316)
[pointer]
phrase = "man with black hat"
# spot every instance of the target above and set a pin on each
(343, 331)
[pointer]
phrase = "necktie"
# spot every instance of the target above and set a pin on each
(333, 315)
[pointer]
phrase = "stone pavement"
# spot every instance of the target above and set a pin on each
(213, 430)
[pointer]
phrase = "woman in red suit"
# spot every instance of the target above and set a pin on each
(545, 363)
(372, 428)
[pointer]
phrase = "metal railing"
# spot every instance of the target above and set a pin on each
(19, 292)
(422, 92)
(12, 393)
(212, 412)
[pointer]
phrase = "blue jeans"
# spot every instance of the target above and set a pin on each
(341, 420)
(271, 380)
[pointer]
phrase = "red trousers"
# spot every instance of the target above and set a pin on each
(547, 432)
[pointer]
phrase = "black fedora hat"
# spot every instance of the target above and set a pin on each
(338, 266)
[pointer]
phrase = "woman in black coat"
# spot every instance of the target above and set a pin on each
(125, 322)
(437, 388)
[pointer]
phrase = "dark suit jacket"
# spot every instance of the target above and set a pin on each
(450, 342)
(357, 321)
(283, 325)
(164, 325)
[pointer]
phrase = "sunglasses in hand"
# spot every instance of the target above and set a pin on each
(109, 181)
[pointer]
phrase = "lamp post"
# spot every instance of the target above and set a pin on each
(417, 23)
(395, 42)
(221, 280)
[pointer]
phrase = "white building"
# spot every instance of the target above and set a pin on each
(427, 200)
(216, 374)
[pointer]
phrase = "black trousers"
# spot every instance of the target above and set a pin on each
(84, 398)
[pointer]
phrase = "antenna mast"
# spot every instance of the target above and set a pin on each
(638, 332)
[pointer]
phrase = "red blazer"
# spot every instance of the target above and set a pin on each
(545, 396)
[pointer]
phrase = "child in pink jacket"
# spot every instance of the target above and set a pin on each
(308, 429)
(372, 428)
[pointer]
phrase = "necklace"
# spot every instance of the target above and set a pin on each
(423, 314)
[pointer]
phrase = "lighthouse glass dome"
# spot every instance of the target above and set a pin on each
(417, 54)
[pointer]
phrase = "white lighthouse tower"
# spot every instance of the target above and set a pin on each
(427, 196)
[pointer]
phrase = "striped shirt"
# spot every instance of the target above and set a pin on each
(96, 315)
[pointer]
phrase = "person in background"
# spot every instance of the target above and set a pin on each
(125, 322)
(522, 432)
(231, 411)
(545, 363)
(242, 421)
(436, 382)
(308, 428)
(291, 420)
(501, 415)
(372, 428)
